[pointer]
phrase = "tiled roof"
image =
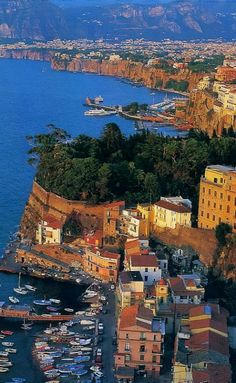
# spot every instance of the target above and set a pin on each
(178, 208)
(129, 317)
(143, 261)
(52, 222)
(115, 204)
(108, 254)
(213, 374)
(209, 340)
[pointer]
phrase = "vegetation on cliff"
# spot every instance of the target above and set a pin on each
(141, 167)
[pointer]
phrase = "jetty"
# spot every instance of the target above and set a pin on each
(24, 313)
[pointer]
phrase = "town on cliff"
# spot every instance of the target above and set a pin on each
(152, 218)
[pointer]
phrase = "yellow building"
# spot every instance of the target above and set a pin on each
(173, 211)
(147, 213)
(217, 199)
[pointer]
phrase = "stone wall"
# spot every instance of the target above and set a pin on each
(202, 241)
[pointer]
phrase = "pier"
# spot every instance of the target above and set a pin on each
(21, 313)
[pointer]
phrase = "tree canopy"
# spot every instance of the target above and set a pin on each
(138, 168)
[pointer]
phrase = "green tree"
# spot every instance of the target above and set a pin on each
(222, 230)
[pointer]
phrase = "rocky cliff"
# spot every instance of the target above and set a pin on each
(134, 71)
(205, 113)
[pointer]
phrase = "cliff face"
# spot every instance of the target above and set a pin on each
(138, 72)
(202, 111)
(226, 260)
(41, 202)
(26, 54)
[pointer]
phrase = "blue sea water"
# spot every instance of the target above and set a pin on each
(32, 96)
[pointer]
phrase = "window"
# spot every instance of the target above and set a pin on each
(142, 336)
(215, 180)
(127, 336)
(154, 359)
(154, 269)
(221, 195)
(235, 201)
(141, 357)
(142, 348)
(209, 203)
(214, 217)
(220, 207)
(155, 338)
(214, 205)
(229, 198)
(209, 191)
(215, 194)
(127, 358)
(207, 215)
(146, 269)
(228, 209)
(203, 190)
(145, 278)
(203, 200)
(127, 346)
(221, 180)
(202, 213)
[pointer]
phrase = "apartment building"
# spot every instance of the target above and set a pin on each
(201, 351)
(185, 290)
(130, 289)
(217, 198)
(49, 231)
(172, 211)
(140, 340)
(103, 265)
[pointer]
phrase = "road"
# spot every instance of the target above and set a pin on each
(109, 322)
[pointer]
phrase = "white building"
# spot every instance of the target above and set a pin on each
(49, 231)
(148, 267)
(172, 211)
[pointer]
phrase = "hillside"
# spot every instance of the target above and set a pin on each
(190, 19)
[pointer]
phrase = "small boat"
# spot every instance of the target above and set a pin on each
(69, 310)
(78, 280)
(56, 301)
(26, 326)
(19, 380)
(11, 350)
(3, 353)
(7, 332)
(13, 300)
(52, 308)
(86, 322)
(41, 302)
(8, 344)
(30, 288)
(19, 289)
(2, 369)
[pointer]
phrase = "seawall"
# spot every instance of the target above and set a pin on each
(41, 202)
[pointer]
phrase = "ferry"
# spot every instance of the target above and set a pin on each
(99, 112)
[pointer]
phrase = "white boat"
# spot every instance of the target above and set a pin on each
(26, 326)
(56, 301)
(41, 302)
(30, 288)
(11, 350)
(98, 99)
(85, 322)
(3, 353)
(69, 310)
(99, 112)
(19, 289)
(13, 300)
(2, 369)
(78, 280)
(8, 344)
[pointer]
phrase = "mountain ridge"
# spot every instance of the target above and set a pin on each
(178, 19)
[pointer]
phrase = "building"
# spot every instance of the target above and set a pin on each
(49, 231)
(226, 74)
(103, 265)
(148, 267)
(112, 212)
(140, 339)
(201, 351)
(132, 224)
(185, 290)
(172, 211)
(217, 198)
(130, 289)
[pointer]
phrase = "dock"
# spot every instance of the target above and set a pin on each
(22, 313)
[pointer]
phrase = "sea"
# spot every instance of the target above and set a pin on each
(32, 96)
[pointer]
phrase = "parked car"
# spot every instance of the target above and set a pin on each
(100, 328)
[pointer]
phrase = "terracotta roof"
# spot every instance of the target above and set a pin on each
(108, 254)
(178, 208)
(178, 287)
(143, 261)
(52, 222)
(209, 340)
(129, 317)
(132, 243)
(215, 373)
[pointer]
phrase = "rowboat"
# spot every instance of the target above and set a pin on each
(2, 369)
(8, 344)
(13, 300)
(7, 332)
(56, 301)
(19, 289)
(69, 310)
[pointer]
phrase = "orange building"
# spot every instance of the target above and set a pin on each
(217, 199)
(112, 212)
(226, 74)
(102, 264)
(140, 340)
